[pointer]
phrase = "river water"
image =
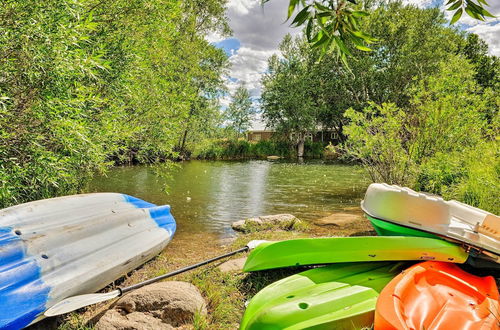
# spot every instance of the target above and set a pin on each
(207, 196)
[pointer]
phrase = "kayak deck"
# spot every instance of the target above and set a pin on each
(316, 251)
(340, 296)
(436, 295)
(431, 214)
(55, 248)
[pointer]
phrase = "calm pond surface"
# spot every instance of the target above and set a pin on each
(207, 196)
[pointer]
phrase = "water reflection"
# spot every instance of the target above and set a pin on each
(207, 196)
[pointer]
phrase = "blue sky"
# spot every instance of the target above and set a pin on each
(258, 30)
(230, 45)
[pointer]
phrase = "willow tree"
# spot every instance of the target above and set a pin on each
(290, 93)
(240, 112)
(86, 83)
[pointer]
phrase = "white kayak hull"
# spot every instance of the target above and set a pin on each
(433, 214)
(55, 248)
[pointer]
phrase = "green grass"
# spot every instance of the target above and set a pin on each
(74, 322)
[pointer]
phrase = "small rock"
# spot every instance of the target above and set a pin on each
(338, 219)
(278, 221)
(233, 265)
(163, 305)
(114, 320)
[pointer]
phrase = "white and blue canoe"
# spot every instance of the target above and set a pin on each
(56, 248)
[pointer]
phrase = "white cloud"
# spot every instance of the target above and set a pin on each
(260, 30)
(248, 65)
(419, 3)
(489, 33)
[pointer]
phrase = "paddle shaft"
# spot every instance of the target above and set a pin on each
(182, 270)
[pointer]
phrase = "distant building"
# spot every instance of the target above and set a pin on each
(259, 132)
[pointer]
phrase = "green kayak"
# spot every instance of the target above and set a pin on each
(385, 228)
(339, 296)
(316, 251)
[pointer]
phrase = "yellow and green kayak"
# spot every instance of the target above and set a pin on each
(339, 296)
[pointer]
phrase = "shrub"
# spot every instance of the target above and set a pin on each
(441, 143)
(241, 149)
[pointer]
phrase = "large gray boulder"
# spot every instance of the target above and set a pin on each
(266, 222)
(163, 305)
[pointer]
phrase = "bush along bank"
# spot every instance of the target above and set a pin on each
(242, 149)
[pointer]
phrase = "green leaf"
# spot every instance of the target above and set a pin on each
(309, 29)
(455, 6)
(301, 17)
(321, 7)
(353, 22)
(291, 7)
(323, 37)
(486, 13)
(456, 16)
(367, 38)
(472, 13)
(358, 43)
(342, 46)
(360, 13)
(363, 48)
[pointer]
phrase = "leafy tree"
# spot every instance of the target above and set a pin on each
(289, 97)
(240, 111)
(89, 83)
(426, 144)
(487, 66)
(413, 43)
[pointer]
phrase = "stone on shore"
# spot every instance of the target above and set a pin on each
(233, 265)
(277, 221)
(339, 219)
(164, 305)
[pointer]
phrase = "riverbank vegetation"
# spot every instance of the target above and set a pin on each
(242, 149)
(87, 83)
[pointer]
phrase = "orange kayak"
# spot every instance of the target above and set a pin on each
(438, 295)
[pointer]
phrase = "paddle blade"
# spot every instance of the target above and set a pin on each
(73, 303)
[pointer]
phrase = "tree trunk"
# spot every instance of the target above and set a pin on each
(300, 146)
(183, 144)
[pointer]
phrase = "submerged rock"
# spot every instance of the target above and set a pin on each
(163, 305)
(277, 221)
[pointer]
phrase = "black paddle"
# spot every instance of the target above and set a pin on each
(73, 303)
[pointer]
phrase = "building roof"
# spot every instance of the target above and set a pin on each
(259, 126)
